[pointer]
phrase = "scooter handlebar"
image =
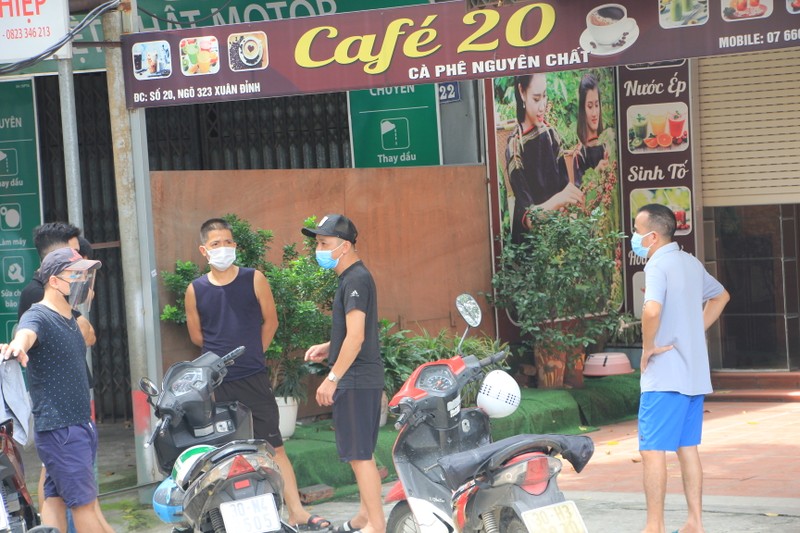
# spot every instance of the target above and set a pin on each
(494, 359)
(228, 358)
(406, 407)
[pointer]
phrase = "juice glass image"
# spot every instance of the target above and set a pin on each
(688, 6)
(676, 123)
(640, 126)
(676, 10)
(191, 52)
(658, 122)
(204, 61)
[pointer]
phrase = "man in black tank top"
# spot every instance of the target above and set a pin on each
(356, 379)
(233, 306)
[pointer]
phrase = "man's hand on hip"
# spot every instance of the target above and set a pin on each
(647, 353)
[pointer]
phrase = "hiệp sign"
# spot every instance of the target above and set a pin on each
(439, 42)
(20, 205)
(395, 126)
(29, 27)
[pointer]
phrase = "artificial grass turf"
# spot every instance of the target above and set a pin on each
(608, 399)
(312, 449)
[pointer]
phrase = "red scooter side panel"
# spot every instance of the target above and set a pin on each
(396, 493)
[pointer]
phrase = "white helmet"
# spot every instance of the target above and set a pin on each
(499, 395)
(186, 460)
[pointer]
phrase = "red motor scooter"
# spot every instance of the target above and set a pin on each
(452, 477)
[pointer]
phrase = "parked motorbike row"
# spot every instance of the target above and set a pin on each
(451, 476)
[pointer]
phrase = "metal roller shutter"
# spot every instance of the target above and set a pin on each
(749, 117)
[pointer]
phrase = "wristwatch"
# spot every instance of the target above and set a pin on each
(332, 377)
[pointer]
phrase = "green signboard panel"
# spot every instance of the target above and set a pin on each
(20, 205)
(395, 126)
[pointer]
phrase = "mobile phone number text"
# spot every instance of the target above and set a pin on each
(757, 39)
(35, 32)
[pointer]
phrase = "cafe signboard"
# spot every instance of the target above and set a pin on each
(440, 42)
(159, 15)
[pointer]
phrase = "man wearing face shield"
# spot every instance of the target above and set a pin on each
(49, 342)
(46, 238)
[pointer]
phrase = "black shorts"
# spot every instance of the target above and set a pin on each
(255, 392)
(356, 418)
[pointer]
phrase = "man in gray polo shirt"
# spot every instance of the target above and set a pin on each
(681, 301)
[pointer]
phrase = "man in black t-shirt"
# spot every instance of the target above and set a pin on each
(66, 438)
(46, 238)
(356, 379)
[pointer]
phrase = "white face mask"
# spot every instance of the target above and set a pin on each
(221, 258)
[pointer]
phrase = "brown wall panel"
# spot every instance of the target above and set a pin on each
(423, 232)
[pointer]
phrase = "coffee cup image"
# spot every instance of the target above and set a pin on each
(607, 23)
(250, 51)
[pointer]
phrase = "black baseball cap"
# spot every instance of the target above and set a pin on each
(63, 259)
(334, 225)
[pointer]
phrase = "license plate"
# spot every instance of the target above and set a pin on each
(253, 515)
(562, 517)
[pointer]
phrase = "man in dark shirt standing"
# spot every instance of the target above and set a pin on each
(356, 379)
(233, 306)
(49, 338)
(46, 238)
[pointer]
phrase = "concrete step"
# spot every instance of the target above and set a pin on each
(721, 379)
(738, 386)
(754, 395)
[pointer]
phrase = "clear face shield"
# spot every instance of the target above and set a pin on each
(81, 289)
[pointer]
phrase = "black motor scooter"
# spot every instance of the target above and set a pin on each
(453, 478)
(236, 485)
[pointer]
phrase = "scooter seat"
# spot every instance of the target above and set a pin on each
(462, 466)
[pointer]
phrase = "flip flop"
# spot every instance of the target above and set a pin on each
(347, 527)
(315, 523)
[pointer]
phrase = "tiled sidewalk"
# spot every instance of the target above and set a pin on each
(748, 449)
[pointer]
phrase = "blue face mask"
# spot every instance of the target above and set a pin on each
(325, 258)
(636, 244)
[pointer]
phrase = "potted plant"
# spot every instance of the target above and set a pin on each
(303, 294)
(559, 282)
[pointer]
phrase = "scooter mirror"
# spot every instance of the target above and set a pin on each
(469, 309)
(148, 387)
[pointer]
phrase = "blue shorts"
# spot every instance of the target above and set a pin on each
(356, 419)
(669, 420)
(69, 454)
